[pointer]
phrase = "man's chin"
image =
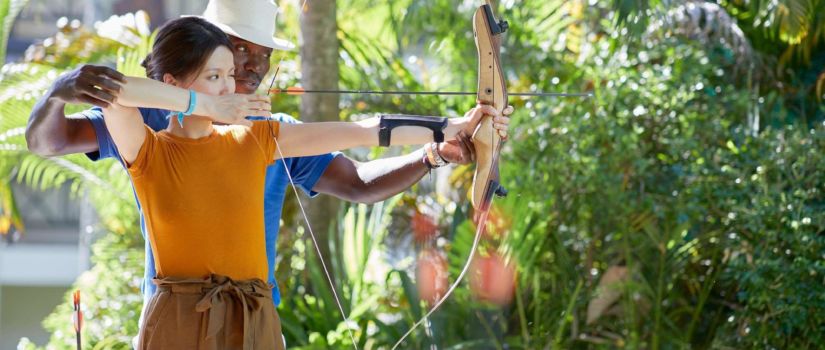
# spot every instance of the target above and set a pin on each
(246, 87)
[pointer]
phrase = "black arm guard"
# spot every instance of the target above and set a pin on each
(390, 121)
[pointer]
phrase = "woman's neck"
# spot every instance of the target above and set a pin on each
(194, 127)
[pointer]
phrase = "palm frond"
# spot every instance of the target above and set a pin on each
(707, 22)
(8, 11)
(788, 20)
(130, 58)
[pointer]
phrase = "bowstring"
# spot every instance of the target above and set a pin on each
(455, 284)
(344, 316)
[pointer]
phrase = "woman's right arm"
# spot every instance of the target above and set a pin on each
(125, 125)
(227, 109)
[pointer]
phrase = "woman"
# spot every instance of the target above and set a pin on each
(201, 187)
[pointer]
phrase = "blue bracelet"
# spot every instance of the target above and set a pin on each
(193, 100)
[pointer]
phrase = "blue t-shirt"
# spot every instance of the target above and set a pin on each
(305, 172)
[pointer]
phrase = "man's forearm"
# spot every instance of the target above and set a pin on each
(388, 177)
(47, 128)
(372, 181)
(50, 132)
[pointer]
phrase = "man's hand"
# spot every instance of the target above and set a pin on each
(95, 85)
(461, 149)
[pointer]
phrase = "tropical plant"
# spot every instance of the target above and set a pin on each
(8, 11)
(9, 214)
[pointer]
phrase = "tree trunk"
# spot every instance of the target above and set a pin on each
(319, 69)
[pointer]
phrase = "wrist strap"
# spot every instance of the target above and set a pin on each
(430, 159)
(387, 122)
(426, 161)
(439, 160)
(433, 158)
(193, 101)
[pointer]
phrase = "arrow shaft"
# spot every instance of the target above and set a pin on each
(436, 93)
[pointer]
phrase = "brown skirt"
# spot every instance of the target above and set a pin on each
(212, 313)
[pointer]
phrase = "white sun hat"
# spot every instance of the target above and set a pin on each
(250, 20)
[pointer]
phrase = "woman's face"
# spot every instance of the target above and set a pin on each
(217, 77)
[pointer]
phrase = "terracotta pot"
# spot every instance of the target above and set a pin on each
(431, 275)
(492, 279)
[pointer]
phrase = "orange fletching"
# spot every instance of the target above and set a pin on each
(77, 319)
(77, 316)
(292, 90)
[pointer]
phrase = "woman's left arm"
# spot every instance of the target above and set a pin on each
(299, 140)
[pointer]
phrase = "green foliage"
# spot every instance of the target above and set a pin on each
(794, 23)
(774, 203)
(634, 180)
(788, 37)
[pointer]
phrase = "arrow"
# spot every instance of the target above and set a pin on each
(77, 316)
(294, 90)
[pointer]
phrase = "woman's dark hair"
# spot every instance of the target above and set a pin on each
(182, 47)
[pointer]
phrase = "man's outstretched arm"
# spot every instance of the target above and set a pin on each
(380, 179)
(50, 132)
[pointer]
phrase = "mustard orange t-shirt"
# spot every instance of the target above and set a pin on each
(203, 200)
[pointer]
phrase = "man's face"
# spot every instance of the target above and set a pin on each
(251, 64)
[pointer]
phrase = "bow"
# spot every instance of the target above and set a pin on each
(486, 140)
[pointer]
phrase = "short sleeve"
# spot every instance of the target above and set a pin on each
(105, 145)
(147, 149)
(155, 118)
(266, 131)
(307, 170)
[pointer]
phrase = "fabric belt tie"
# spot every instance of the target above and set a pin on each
(219, 291)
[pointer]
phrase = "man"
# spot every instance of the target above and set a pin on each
(51, 133)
